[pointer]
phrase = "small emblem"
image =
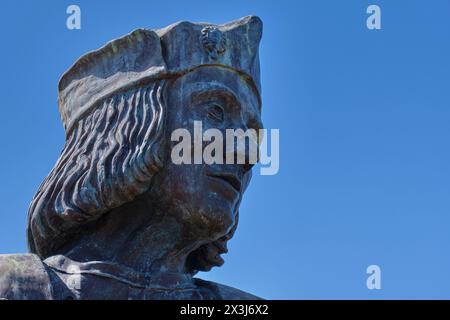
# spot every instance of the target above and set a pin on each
(214, 42)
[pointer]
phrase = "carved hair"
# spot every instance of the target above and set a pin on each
(108, 159)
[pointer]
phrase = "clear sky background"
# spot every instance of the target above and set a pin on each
(364, 123)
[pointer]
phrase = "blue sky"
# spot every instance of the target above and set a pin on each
(364, 126)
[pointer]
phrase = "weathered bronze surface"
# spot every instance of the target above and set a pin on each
(116, 218)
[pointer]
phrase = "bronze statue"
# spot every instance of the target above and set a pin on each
(116, 218)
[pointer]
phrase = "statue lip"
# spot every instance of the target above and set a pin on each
(229, 178)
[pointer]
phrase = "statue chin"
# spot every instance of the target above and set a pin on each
(204, 204)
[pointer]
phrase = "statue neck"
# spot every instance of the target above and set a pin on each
(147, 242)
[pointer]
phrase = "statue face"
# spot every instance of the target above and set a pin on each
(206, 196)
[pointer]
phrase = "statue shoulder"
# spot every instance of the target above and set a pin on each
(23, 277)
(226, 292)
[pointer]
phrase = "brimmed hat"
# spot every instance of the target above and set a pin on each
(145, 55)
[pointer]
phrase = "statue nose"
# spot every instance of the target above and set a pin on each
(242, 149)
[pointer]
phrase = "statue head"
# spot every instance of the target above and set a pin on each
(119, 106)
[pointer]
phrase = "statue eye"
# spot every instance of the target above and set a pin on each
(215, 112)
